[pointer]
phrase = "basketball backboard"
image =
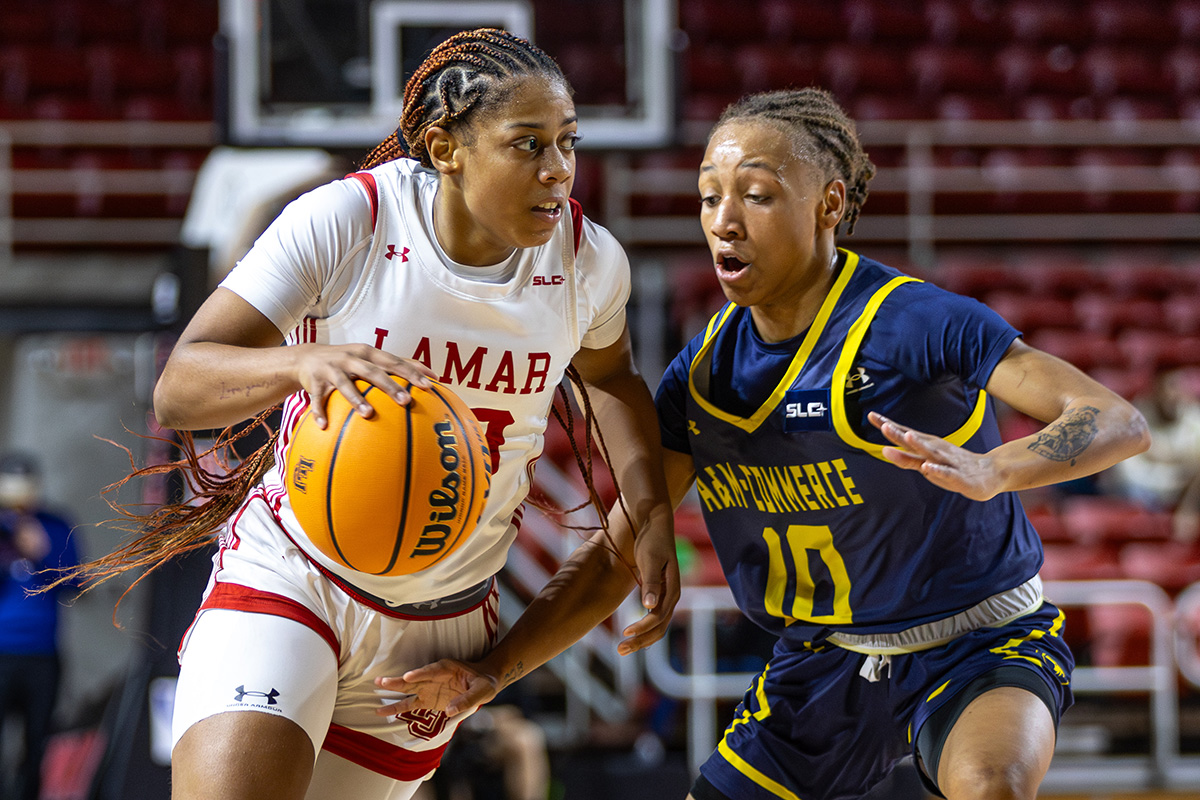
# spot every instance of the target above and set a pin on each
(331, 73)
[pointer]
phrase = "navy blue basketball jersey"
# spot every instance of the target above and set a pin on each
(815, 529)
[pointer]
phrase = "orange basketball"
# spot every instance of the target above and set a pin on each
(394, 493)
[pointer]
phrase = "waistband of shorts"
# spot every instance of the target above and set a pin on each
(999, 609)
(440, 607)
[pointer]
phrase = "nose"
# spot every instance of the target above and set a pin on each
(726, 221)
(557, 166)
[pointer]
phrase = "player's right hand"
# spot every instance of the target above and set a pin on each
(450, 686)
(322, 369)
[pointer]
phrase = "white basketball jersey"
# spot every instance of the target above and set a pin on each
(502, 347)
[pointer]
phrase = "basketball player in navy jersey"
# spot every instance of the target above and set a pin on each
(835, 419)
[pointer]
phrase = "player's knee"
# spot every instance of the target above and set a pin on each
(990, 782)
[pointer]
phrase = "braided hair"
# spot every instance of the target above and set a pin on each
(824, 135)
(460, 78)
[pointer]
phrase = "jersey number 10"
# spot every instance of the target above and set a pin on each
(802, 539)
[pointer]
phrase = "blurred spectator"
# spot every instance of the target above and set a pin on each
(31, 539)
(1167, 476)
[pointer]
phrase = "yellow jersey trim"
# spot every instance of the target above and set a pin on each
(751, 423)
(739, 763)
(841, 373)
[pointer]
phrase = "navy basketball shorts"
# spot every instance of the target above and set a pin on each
(811, 727)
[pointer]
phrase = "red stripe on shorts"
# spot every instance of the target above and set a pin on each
(379, 756)
(235, 597)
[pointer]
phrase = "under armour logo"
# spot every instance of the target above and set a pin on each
(241, 693)
(423, 723)
(392, 252)
(692, 428)
(858, 381)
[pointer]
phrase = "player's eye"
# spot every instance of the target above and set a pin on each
(529, 144)
(570, 141)
(710, 200)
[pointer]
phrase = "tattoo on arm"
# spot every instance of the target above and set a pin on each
(247, 391)
(514, 673)
(1069, 436)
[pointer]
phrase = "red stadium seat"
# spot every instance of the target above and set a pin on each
(1054, 70)
(596, 72)
(965, 23)
(1049, 524)
(25, 24)
(1184, 19)
(1128, 382)
(1094, 520)
(938, 69)
(1030, 312)
(1129, 109)
(850, 68)
(1076, 562)
(880, 105)
(972, 106)
(1151, 277)
(1122, 22)
(1084, 350)
(1181, 312)
(1181, 67)
(1062, 274)
(1040, 21)
(1171, 565)
(804, 21)
(1113, 70)
(772, 66)
(977, 274)
(878, 20)
(1052, 107)
(1103, 313)
(85, 22)
(712, 69)
(708, 21)
(1118, 635)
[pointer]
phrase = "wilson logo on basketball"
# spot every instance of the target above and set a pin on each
(393, 493)
(443, 502)
(300, 474)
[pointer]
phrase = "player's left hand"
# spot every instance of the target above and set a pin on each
(450, 685)
(658, 568)
(943, 464)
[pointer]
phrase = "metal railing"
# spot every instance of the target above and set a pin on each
(98, 182)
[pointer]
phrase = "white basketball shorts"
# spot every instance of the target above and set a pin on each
(275, 635)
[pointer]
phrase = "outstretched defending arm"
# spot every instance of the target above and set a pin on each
(1089, 428)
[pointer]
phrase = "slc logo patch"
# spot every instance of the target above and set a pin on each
(806, 410)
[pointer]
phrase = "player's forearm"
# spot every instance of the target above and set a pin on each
(1090, 435)
(209, 385)
(584, 592)
(626, 415)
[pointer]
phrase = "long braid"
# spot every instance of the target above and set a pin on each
(175, 529)
(461, 77)
(827, 136)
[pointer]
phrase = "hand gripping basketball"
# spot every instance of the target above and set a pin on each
(393, 493)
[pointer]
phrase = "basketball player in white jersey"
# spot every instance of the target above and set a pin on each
(466, 262)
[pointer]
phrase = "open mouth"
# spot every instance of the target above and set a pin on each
(731, 264)
(551, 210)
